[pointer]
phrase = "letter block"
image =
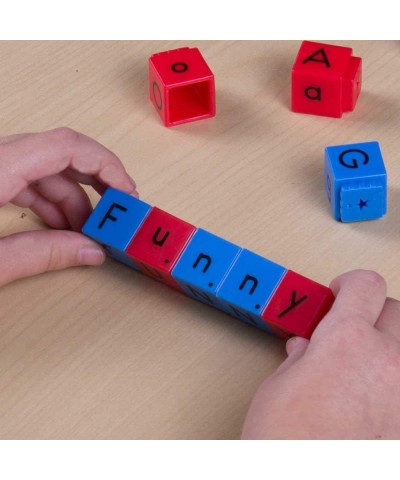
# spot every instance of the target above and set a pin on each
(203, 266)
(248, 286)
(181, 86)
(356, 181)
(297, 305)
(114, 222)
(326, 80)
(206, 267)
(158, 244)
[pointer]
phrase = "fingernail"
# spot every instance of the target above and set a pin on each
(132, 182)
(91, 256)
(132, 189)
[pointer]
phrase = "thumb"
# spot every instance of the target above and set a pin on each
(295, 348)
(29, 253)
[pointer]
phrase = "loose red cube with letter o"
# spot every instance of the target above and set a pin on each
(326, 80)
(181, 86)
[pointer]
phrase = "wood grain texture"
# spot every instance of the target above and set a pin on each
(106, 353)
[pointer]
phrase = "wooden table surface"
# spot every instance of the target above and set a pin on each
(106, 353)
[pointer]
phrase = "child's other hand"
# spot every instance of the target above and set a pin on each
(42, 171)
(345, 382)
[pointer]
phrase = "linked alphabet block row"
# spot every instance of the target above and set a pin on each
(206, 267)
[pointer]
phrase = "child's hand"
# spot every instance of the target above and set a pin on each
(345, 382)
(42, 172)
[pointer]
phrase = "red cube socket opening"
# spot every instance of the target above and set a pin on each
(181, 86)
(189, 102)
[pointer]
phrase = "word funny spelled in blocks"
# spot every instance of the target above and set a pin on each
(356, 181)
(326, 80)
(206, 267)
(181, 86)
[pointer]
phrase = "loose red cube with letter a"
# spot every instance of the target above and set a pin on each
(326, 80)
(181, 86)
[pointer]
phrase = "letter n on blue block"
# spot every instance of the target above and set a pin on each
(203, 266)
(114, 222)
(248, 287)
(356, 181)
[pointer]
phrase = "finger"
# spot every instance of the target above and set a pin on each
(12, 138)
(69, 197)
(33, 157)
(30, 253)
(389, 320)
(92, 181)
(360, 295)
(51, 214)
(295, 348)
(86, 180)
(78, 177)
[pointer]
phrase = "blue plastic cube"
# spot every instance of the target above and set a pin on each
(203, 265)
(114, 222)
(248, 287)
(356, 181)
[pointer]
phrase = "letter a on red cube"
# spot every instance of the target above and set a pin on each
(326, 80)
(181, 86)
(159, 243)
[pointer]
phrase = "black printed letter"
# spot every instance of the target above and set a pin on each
(200, 295)
(312, 58)
(293, 304)
(206, 258)
(108, 214)
(152, 272)
(245, 317)
(162, 241)
(348, 158)
(251, 279)
(313, 93)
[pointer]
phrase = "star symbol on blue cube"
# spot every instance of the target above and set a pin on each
(363, 203)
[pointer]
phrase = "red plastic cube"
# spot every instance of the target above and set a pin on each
(326, 80)
(181, 86)
(298, 305)
(159, 243)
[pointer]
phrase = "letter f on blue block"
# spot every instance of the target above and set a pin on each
(114, 222)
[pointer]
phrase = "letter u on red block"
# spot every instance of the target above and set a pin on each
(159, 243)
